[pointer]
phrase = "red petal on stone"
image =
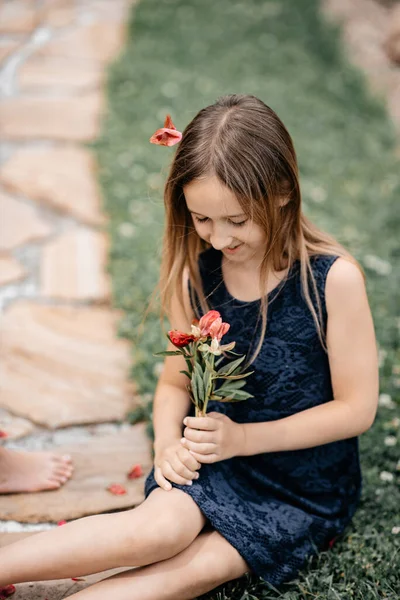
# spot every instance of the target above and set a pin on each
(3, 434)
(61, 523)
(78, 579)
(135, 472)
(7, 591)
(116, 489)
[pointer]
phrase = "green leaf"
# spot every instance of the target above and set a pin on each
(230, 367)
(186, 373)
(233, 385)
(236, 376)
(198, 375)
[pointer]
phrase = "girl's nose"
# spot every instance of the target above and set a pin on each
(220, 243)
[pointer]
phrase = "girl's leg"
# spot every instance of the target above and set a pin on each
(208, 562)
(162, 526)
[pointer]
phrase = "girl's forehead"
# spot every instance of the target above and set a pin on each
(209, 195)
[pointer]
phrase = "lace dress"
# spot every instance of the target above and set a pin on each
(277, 508)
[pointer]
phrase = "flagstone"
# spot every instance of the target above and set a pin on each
(62, 178)
(46, 71)
(97, 42)
(7, 48)
(104, 461)
(19, 223)
(58, 13)
(14, 427)
(74, 267)
(63, 365)
(10, 270)
(18, 16)
(41, 117)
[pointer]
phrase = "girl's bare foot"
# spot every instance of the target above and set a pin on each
(32, 471)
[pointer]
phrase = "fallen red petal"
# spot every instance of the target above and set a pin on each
(78, 579)
(135, 472)
(61, 523)
(116, 489)
(7, 591)
(3, 434)
(331, 542)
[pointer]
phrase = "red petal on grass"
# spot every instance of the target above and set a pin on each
(7, 591)
(116, 489)
(135, 472)
(61, 523)
(331, 542)
(3, 434)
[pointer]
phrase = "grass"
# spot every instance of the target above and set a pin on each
(180, 56)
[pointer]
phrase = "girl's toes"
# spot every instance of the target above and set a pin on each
(52, 484)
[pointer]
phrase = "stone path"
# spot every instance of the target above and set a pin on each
(63, 371)
(371, 34)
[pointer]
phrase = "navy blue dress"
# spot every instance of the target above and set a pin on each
(277, 508)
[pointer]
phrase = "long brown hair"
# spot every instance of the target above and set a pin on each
(241, 141)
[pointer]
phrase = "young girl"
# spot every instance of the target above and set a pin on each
(254, 486)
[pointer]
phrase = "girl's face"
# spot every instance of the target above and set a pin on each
(219, 220)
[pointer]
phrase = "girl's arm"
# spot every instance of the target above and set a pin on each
(353, 361)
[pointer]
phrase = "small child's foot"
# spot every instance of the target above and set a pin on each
(32, 471)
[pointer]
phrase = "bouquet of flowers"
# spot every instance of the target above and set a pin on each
(199, 349)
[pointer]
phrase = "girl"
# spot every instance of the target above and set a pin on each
(254, 486)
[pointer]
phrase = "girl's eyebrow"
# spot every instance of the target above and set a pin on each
(228, 216)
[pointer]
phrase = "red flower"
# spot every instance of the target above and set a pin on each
(7, 591)
(3, 434)
(135, 472)
(168, 135)
(218, 329)
(180, 339)
(206, 321)
(116, 489)
(61, 523)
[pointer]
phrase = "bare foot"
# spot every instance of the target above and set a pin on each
(32, 471)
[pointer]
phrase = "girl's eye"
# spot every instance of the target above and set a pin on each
(232, 222)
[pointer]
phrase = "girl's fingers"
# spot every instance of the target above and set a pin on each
(189, 460)
(181, 469)
(169, 471)
(199, 448)
(160, 479)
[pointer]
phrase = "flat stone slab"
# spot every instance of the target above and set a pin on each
(74, 267)
(6, 48)
(64, 365)
(14, 427)
(62, 178)
(19, 223)
(104, 461)
(97, 42)
(58, 71)
(11, 270)
(18, 16)
(76, 118)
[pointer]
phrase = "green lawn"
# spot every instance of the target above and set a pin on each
(180, 56)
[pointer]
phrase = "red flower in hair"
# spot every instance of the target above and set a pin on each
(168, 135)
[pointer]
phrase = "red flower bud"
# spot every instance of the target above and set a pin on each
(180, 339)
(206, 321)
(218, 329)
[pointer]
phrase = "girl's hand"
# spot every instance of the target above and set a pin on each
(213, 438)
(175, 463)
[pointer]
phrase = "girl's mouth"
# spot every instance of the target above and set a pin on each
(233, 250)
